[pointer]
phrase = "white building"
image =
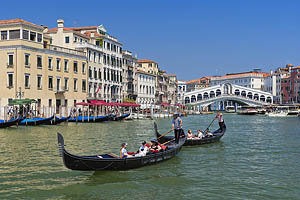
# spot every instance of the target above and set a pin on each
(146, 88)
(254, 80)
(104, 56)
(129, 75)
(182, 89)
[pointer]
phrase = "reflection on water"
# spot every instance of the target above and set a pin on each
(256, 159)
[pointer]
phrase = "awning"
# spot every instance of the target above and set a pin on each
(21, 102)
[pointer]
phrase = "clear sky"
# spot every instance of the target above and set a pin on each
(188, 38)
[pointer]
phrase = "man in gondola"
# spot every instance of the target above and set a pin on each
(219, 116)
(177, 126)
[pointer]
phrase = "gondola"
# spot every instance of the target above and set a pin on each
(111, 162)
(115, 118)
(8, 123)
(217, 135)
(36, 121)
(57, 120)
(90, 119)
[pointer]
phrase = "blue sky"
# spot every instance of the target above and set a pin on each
(188, 38)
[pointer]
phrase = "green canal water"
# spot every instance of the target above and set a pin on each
(258, 158)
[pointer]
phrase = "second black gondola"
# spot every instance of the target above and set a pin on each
(217, 135)
(5, 124)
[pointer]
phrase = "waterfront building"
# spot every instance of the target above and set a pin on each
(148, 66)
(296, 70)
(103, 54)
(146, 88)
(253, 79)
(172, 89)
(198, 84)
(33, 68)
(181, 90)
(129, 76)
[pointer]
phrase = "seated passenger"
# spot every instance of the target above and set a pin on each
(199, 135)
(143, 150)
(190, 135)
(208, 133)
(155, 147)
(123, 151)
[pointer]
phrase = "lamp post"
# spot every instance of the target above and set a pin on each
(19, 94)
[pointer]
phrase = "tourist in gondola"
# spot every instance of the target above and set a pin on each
(123, 151)
(177, 126)
(143, 150)
(199, 135)
(190, 135)
(155, 147)
(219, 116)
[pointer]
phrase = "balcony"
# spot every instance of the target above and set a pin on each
(59, 90)
(64, 50)
(88, 45)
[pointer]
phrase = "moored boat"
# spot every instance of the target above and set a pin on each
(57, 120)
(8, 123)
(247, 110)
(112, 162)
(36, 121)
(230, 109)
(217, 135)
(91, 119)
(118, 118)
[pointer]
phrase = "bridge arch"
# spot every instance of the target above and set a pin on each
(237, 92)
(262, 98)
(256, 97)
(199, 97)
(212, 94)
(205, 95)
(187, 100)
(227, 88)
(269, 100)
(243, 93)
(249, 95)
(193, 98)
(218, 92)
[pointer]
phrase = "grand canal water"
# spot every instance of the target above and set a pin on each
(258, 158)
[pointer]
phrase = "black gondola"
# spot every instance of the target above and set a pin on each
(217, 135)
(57, 120)
(90, 119)
(110, 162)
(115, 118)
(5, 124)
(36, 121)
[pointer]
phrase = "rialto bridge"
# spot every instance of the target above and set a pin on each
(228, 92)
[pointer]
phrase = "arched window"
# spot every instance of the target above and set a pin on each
(243, 93)
(262, 98)
(249, 95)
(256, 97)
(205, 95)
(237, 92)
(193, 98)
(269, 100)
(212, 94)
(218, 92)
(199, 97)
(187, 100)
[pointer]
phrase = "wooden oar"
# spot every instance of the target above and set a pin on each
(210, 124)
(165, 133)
(168, 142)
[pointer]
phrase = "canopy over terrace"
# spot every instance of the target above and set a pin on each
(22, 102)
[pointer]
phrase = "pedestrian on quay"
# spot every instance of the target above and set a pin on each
(219, 116)
(177, 126)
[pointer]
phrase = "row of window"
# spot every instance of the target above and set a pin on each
(146, 90)
(21, 34)
(112, 47)
(50, 63)
(10, 82)
(146, 78)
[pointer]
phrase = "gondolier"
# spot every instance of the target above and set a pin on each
(219, 116)
(177, 126)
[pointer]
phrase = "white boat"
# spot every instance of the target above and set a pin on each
(137, 116)
(230, 109)
(277, 114)
(247, 110)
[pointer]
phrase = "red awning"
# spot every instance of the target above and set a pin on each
(97, 102)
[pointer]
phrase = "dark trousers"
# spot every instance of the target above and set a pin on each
(177, 133)
(221, 124)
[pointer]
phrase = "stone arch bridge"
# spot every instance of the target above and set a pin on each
(228, 92)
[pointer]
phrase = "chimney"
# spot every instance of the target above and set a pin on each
(60, 23)
(45, 28)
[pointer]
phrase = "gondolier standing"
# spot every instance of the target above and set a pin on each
(177, 126)
(219, 116)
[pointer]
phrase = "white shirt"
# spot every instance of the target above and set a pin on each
(124, 152)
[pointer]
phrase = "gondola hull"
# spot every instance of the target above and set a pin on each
(217, 135)
(107, 162)
(57, 120)
(36, 122)
(89, 119)
(114, 118)
(5, 124)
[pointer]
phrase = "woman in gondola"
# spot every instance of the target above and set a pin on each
(190, 135)
(123, 151)
(155, 147)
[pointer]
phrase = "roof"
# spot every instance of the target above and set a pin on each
(198, 80)
(141, 71)
(145, 61)
(173, 75)
(68, 29)
(17, 21)
(298, 67)
(244, 74)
